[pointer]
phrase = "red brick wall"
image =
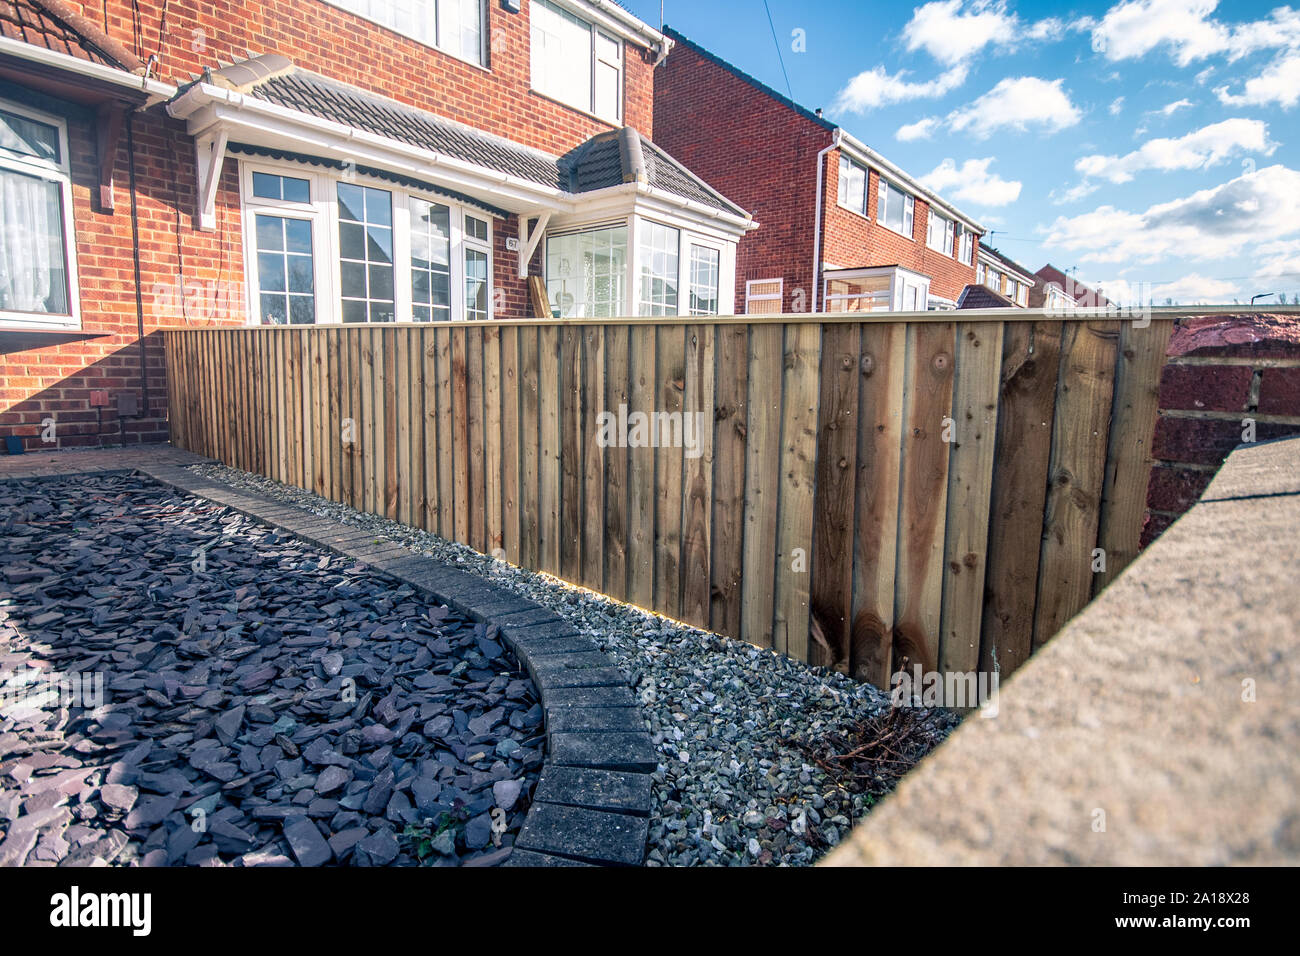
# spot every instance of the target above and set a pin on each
(762, 154)
(351, 49)
(1222, 372)
(853, 241)
(55, 381)
(757, 152)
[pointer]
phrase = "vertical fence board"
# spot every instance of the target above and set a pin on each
(617, 399)
(446, 438)
(389, 395)
(977, 366)
(429, 454)
(493, 543)
(1128, 458)
(591, 404)
(881, 367)
(1078, 471)
(670, 355)
(762, 482)
(641, 471)
(511, 442)
(548, 404)
(403, 392)
(923, 492)
(477, 475)
(731, 407)
(794, 542)
(697, 475)
(460, 434)
(530, 436)
(837, 462)
(1027, 406)
(571, 462)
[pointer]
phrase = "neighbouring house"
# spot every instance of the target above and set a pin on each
(1004, 276)
(226, 162)
(1057, 292)
(841, 227)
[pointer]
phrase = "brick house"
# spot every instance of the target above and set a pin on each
(1008, 280)
(841, 227)
(1056, 291)
(232, 162)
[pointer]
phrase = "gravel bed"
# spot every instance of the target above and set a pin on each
(245, 698)
(734, 725)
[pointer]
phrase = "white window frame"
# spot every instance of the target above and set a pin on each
(883, 186)
(965, 245)
(778, 296)
(899, 279)
(61, 173)
(484, 21)
(689, 242)
(866, 187)
(594, 60)
(323, 211)
(949, 232)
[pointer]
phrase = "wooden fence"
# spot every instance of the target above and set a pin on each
(927, 487)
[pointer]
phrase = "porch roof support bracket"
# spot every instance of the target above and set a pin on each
(210, 154)
(528, 240)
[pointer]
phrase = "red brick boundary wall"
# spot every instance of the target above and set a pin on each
(1223, 374)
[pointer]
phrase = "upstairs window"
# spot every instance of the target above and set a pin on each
(939, 233)
(853, 186)
(895, 208)
(456, 26)
(965, 245)
(575, 62)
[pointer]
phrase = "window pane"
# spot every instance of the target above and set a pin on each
(288, 188)
(561, 54)
(658, 270)
(476, 285)
(430, 259)
(280, 272)
(28, 137)
(412, 18)
(476, 228)
(704, 280)
(366, 253)
(33, 260)
(586, 273)
(853, 185)
(460, 30)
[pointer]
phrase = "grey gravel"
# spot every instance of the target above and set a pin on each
(731, 788)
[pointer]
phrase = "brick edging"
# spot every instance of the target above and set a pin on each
(592, 802)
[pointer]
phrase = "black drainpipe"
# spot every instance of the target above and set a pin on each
(143, 410)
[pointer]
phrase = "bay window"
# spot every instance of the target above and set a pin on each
(878, 289)
(326, 247)
(895, 208)
(575, 62)
(939, 233)
(454, 26)
(37, 252)
(853, 186)
(586, 272)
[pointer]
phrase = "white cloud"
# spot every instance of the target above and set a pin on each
(1194, 289)
(1228, 220)
(1199, 149)
(923, 128)
(1073, 194)
(952, 31)
(1169, 109)
(874, 88)
(1279, 83)
(1018, 103)
(972, 182)
(1279, 260)
(1116, 105)
(1187, 29)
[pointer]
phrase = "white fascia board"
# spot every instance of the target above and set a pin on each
(111, 75)
(260, 123)
(612, 18)
(698, 214)
(865, 154)
(627, 198)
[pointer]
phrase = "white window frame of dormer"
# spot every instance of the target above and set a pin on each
(599, 55)
(61, 174)
(322, 211)
(845, 201)
(945, 245)
(908, 226)
(388, 21)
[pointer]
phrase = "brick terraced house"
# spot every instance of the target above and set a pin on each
(842, 228)
(1006, 279)
(231, 162)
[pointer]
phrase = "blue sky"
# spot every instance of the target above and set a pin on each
(1150, 144)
